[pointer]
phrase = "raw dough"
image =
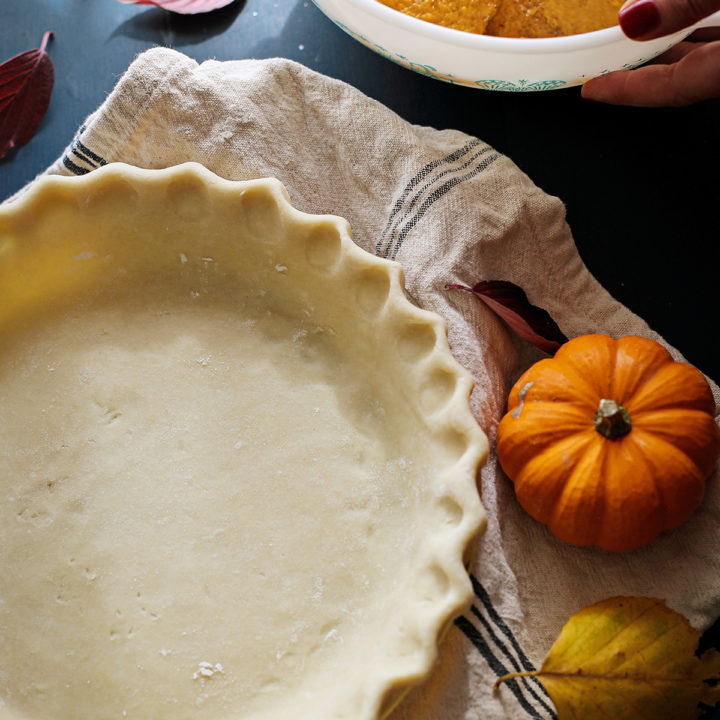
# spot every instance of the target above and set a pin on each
(220, 495)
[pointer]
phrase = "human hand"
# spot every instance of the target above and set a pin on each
(685, 74)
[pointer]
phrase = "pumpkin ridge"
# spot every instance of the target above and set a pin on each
(695, 477)
(590, 457)
(691, 424)
(539, 426)
(598, 539)
(577, 382)
(670, 388)
(547, 374)
(644, 527)
(654, 359)
(603, 457)
(526, 481)
(674, 449)
(584, 354)
(573, 415)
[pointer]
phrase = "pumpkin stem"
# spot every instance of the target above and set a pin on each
(612, 419)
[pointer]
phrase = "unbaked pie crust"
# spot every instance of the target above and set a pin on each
(237, 466)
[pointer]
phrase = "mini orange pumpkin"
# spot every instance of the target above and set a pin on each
(609, 442)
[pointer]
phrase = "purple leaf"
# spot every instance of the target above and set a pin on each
(511, 303)
(26, 83)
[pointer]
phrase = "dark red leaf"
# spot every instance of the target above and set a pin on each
(26, 83)
(186, 7)
(511, 303)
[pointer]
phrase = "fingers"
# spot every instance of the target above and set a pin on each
(650, 86)
(705, 34)
(694, 77)
(685, 74)
(674, 54)
(647, 19)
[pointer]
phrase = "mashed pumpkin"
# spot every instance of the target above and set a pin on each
(514, 18)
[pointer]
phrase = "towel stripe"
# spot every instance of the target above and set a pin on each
(72, 167)
(418, 178)
(412, 206)
(85, 151)
(457, 167)
(476, 638)
(484, 597)
(527, 682)
(83, 159)
(495, 641)
(436, 195)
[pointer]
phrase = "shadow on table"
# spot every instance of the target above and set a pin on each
(158, 26)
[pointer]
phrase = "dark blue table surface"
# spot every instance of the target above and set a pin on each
(640, 185)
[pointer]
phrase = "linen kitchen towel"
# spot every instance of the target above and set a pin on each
(450, 209)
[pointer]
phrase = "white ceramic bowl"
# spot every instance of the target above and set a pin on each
(493, 63)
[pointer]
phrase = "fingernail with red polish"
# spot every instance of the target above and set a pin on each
(639, 19)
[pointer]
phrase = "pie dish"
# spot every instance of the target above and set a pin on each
(238, 467)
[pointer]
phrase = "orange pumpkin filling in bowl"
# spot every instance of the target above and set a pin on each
(514, 18)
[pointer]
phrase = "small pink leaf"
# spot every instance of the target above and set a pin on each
(26, 83)
(186, 7)
(511, 303)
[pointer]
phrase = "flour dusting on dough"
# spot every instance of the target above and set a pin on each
(207, 670)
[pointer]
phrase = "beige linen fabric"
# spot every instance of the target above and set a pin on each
(451, 210)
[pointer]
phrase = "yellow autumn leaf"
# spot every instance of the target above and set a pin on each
(628, 658)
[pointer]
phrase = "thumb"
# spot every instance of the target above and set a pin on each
(647, 19)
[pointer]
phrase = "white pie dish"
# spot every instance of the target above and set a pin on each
(240, 479)
(493, 63)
